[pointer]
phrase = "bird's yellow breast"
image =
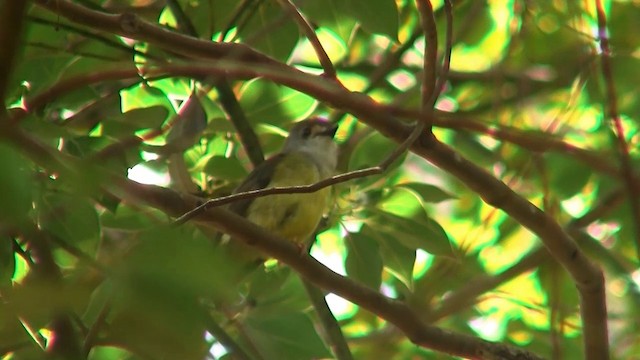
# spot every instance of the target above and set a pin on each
(292, 216)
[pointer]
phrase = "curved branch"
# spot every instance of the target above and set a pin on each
(428, 22)
(227, 97)
(588, 277)
(305, 26)
(389, 309)
(172, 203)
(130, 25)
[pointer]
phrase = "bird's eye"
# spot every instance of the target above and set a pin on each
(306, 132)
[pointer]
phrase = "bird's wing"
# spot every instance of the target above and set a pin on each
(258, 179)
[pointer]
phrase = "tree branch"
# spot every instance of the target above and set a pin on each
(241, 229)
(248, 63)
(430, 58)
(227, 97)
(307, 29)
(333, 333)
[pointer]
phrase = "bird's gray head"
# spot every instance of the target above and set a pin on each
(314, 137)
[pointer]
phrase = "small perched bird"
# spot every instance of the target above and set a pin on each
(309, 155)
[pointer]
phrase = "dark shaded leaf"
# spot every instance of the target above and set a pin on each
(417, 232)
(225, 168)
(364, 262)
(17, 185)
(429, 193)
(378, 17)
(73, 219)
(287, 336)
(333, 14)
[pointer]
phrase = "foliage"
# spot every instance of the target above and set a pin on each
(93, 267)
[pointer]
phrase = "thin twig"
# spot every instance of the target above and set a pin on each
(307, 29)
(333, 332)
(428, 22)
(588, 277)
(380, 168)
(234, 21)
(446, 61)
(112, 43)
(79, 254)
(386, 66)
(23, 254)
(184, 22)
(240, 122)
(94, 330)
(234, 349)
(394, 311)
(51, 49)
(227, 97)
(614, 116)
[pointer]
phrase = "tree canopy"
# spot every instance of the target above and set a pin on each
(486, 204)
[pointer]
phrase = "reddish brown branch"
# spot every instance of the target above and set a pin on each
(391, 310)
(446, 61)
(307, 29)
(524, 139)
(130, 25)
(428, 85)
(248, 63)
(38, 101)
(173, 204)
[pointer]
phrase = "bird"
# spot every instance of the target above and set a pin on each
(309, 154)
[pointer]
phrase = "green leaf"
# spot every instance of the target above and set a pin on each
(276, 291)
(92, 114)
(179, 260)
(109, 352)
(100, 298)
(333, 14)
(141, 118)
(72, 218)
(372, 150)
(265, 282)
(333, 45)
(145, 118)
(144, 96)
(397, 258)
(269, 32)
(16, 184)
(364, 262)
(128, 217)
(266, 102)
(417, 232)
(566, 176)
(626, 77)
(472, 149)
(378, 17)
(224, 168)
(286, 336)
(429, 193)
(7, 262)
(400, 201)
(40, 70)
